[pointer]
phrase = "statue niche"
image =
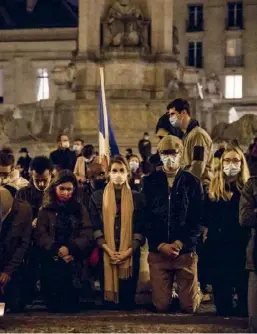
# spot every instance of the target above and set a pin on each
(125, 26)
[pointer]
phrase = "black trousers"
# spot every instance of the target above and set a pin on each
(58, 286)
(225, 284)
(127, 288)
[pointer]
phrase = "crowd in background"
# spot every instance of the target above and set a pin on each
(75, 218)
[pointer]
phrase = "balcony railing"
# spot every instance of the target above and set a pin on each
(192, 27)
(233, 25)
(234, 61)
(197, 63)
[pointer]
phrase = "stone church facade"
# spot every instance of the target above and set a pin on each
(50, 60)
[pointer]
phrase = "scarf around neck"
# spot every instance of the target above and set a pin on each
(112, 273)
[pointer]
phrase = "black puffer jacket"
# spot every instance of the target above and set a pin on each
(173, 214)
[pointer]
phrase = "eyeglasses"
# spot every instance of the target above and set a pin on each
(233, 161)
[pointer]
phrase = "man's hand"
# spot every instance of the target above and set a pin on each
(34, 223)
(169, 250)
(63, 251)
(67, 258)
(4, 279)
(82, 179)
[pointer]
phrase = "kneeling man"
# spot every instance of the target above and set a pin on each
(174, 205)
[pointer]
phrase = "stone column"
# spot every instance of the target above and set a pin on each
(162, 26)
(83, 26)
(18, 80)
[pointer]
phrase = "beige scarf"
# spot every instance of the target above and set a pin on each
(112, 273)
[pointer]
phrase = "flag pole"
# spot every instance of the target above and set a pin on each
(106, 127)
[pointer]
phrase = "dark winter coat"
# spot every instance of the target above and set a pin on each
(80, 236)
(173, 213)
(15, 237)
(63, 159)
(31, 195)
(248, 219)
(226, 240)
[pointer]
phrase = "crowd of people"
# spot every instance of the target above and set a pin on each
(73, 217)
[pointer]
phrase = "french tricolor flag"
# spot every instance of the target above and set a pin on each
(107, 143)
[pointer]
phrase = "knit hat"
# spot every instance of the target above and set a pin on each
(6, 202)
(170, 143)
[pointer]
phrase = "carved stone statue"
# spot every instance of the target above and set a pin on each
(213, 85)
(65, 75)
(125, 24)
(176, 49)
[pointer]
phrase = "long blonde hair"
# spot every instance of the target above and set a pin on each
(217, 189)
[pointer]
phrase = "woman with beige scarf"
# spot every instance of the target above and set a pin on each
(117, 215)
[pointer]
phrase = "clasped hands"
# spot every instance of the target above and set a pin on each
(63, 253)
(118, 257)
(170, 250)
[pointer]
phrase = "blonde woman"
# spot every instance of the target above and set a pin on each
(117, 215)
(226, 240)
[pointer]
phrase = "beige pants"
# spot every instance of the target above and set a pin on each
(163, 269)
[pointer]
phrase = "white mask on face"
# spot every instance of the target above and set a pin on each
(118, 178)
(134, 166)
(89, 160)
(170, 161)
(77, 148)
(174, 121)
(231, 170)
(66, 144)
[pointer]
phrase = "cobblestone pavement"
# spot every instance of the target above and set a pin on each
(141, 321)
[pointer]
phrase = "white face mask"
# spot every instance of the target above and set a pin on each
(231, 170)
(134, 166)
(89, 160)
(170, 161)
(118, 178)
(174, 121)
(65, 144)
(77, 148)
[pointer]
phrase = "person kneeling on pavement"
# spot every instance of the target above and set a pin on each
(15, 232)
(173, 205)
(64, 234)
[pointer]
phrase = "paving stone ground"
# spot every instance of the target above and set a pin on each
(140, 321)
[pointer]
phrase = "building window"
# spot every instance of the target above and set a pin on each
(233, 86)
(195, 54)
(234, 55)
(235, 15)
(42, 84)
(195, 18)
(1, 86)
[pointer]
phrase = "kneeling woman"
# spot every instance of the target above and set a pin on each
(226, 240)
(64, 234)
(117, 215)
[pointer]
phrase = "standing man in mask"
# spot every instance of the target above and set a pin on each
(173, 207)
(15, 232)
(197, 157)
(78, 145)
(63, 157)
(41, 174)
